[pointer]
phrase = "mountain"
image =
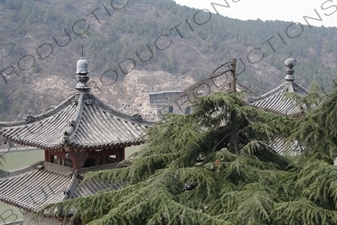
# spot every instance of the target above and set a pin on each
(136, 47)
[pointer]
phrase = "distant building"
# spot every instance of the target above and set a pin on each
(159, 100)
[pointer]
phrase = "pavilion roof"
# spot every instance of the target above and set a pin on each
(276, 100)
(81, 122)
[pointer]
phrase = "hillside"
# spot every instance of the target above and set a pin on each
(144, 46)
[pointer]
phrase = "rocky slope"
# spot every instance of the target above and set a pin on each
(152, 46)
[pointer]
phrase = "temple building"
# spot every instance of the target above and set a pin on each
(79, 135)
(159, 100)
(278, 102)
(275, 100)
(83, 134)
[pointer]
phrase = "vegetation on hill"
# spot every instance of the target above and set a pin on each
(215, 166)
(36, 51)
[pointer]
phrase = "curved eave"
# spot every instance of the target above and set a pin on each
(93, 147)
(275, 101)
(41, 116)
(45, 131)
(34, 189)
(63, 145)
(82, 147)
(80, 122)
(10, 201)
(288, 86)
(31, 143)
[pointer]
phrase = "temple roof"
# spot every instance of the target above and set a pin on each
(81, 122)
(34, 188)
(45, 183)
(283, 147)
(276, 100)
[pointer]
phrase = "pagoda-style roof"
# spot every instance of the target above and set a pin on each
(44, 183)
(67, 133)
(80, 123)
(276, 100)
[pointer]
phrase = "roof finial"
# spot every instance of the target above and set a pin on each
(290, 63)
(82, 74)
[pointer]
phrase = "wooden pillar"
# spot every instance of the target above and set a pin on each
(121, 155)
(46, 156)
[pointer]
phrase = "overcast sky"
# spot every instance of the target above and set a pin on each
(284, 10)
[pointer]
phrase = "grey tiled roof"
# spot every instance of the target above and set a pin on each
(93, 186)
(81, 122)
(45, 183)
(30, 190)
(275, 100)
(282, 147)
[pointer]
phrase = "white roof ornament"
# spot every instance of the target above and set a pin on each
(82, 75)
(290, 63)
(82, 66)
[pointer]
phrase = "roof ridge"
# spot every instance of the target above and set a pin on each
(82, 121)
(58, 169)
(299, 86)
(27, 169)
(41, 116)
(74, 123)
(70, 190)
(270, 93)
